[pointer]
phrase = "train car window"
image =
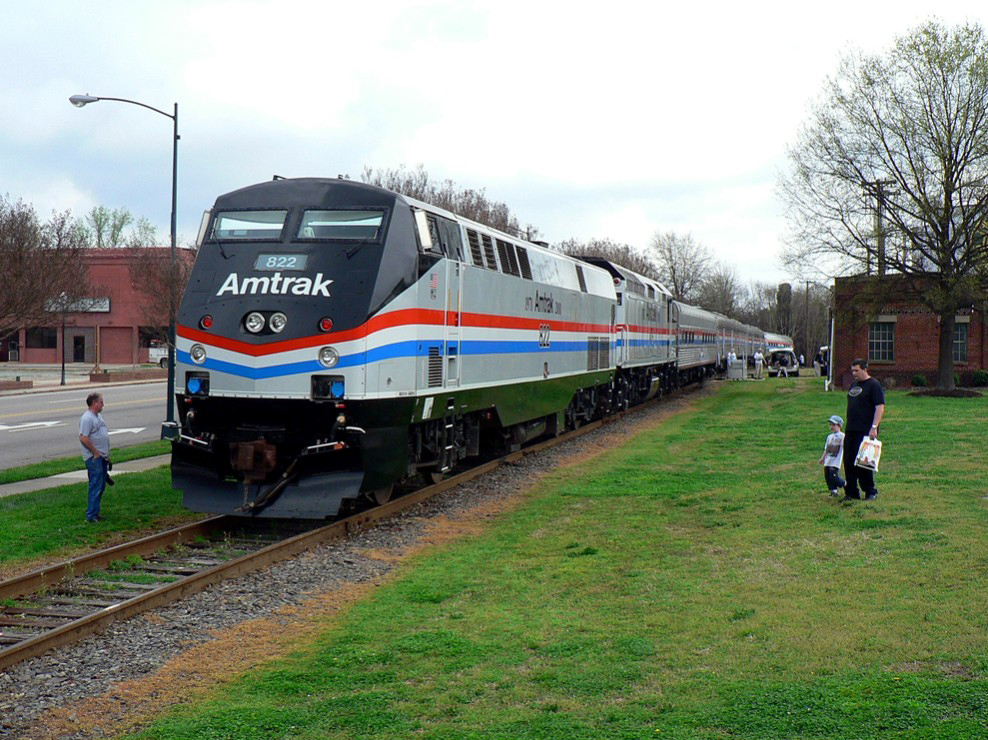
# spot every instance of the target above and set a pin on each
(341, 225)
(579, 276)
(475, 250)
(449, 232)
(437, 241)
(229, 225)
(524, 264)
(489, 258)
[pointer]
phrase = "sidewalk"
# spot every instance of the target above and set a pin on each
(80, 476)
(48, 377)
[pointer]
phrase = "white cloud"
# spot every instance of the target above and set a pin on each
(589, 120)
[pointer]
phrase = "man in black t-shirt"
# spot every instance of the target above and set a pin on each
(865, 407)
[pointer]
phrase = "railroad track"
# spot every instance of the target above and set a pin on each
(57, 605)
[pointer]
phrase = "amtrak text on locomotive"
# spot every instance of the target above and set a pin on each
(543, 303)
(275, 285)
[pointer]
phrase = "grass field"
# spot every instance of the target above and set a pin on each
(68, 464)
(697, 582)
(51, 523)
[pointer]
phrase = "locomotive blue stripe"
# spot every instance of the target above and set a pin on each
(411, 348)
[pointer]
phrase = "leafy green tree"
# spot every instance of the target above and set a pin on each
(890, 174)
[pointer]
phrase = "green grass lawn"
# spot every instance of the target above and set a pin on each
(697, 582)
(51, 523)
(68, 464)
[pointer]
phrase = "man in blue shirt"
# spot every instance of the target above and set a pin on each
(95, 439)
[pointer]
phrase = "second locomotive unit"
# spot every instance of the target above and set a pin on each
(336, 338)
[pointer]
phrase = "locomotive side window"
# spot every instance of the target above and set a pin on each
(579, 276)
(230, 225)
(341, 225)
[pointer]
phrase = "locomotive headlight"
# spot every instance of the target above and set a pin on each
(277, 322)
(198, 354)
(254, 322)
(328, 357)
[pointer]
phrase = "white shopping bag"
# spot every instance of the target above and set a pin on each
(869, 453)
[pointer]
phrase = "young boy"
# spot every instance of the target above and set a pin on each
(833, 452)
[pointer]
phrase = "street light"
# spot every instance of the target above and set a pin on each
(80, 101)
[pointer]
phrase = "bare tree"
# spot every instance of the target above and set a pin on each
(891, 173)
(683, 263)
(42, 263)
(722, 291)
(466, 202)
(160, 283)
(622, 254)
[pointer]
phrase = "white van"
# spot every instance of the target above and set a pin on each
(782, 358)
(158, 354)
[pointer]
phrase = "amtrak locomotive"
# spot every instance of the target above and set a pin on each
(336, 338)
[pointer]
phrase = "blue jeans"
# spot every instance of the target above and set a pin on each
(96, 467)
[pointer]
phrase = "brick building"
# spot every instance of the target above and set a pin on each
(900, 338)
(110, 327)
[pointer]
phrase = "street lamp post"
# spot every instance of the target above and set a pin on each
(80, 101)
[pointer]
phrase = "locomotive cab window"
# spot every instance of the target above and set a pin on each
(341, 225)
(230, 225)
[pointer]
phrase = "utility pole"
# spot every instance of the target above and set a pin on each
(880, 190)
(806, 322)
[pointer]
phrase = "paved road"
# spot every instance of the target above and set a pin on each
(40, 426)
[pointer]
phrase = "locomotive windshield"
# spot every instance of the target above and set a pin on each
(248, 225)
(338, 224)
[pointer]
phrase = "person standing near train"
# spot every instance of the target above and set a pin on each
(865, 408)
(95, 439)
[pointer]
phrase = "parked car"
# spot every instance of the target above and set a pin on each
(159, 355)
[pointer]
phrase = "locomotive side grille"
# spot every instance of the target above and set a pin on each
(598, 353)
(509, 263)
(435, 368)
(603, 352)
(475, 251)
(489, 252)
(524, 264)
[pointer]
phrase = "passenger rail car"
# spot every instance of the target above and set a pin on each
(697, 342)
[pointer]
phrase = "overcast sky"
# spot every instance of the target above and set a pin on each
(613, 119)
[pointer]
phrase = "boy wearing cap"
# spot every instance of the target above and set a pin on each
(833, 451)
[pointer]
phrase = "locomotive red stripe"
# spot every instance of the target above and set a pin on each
(403, 317)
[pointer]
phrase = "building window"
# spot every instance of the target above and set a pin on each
(881, 341)
(960, 343)
(39, 337)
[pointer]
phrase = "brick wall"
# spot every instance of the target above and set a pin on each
(106, 337)
(917, 332)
